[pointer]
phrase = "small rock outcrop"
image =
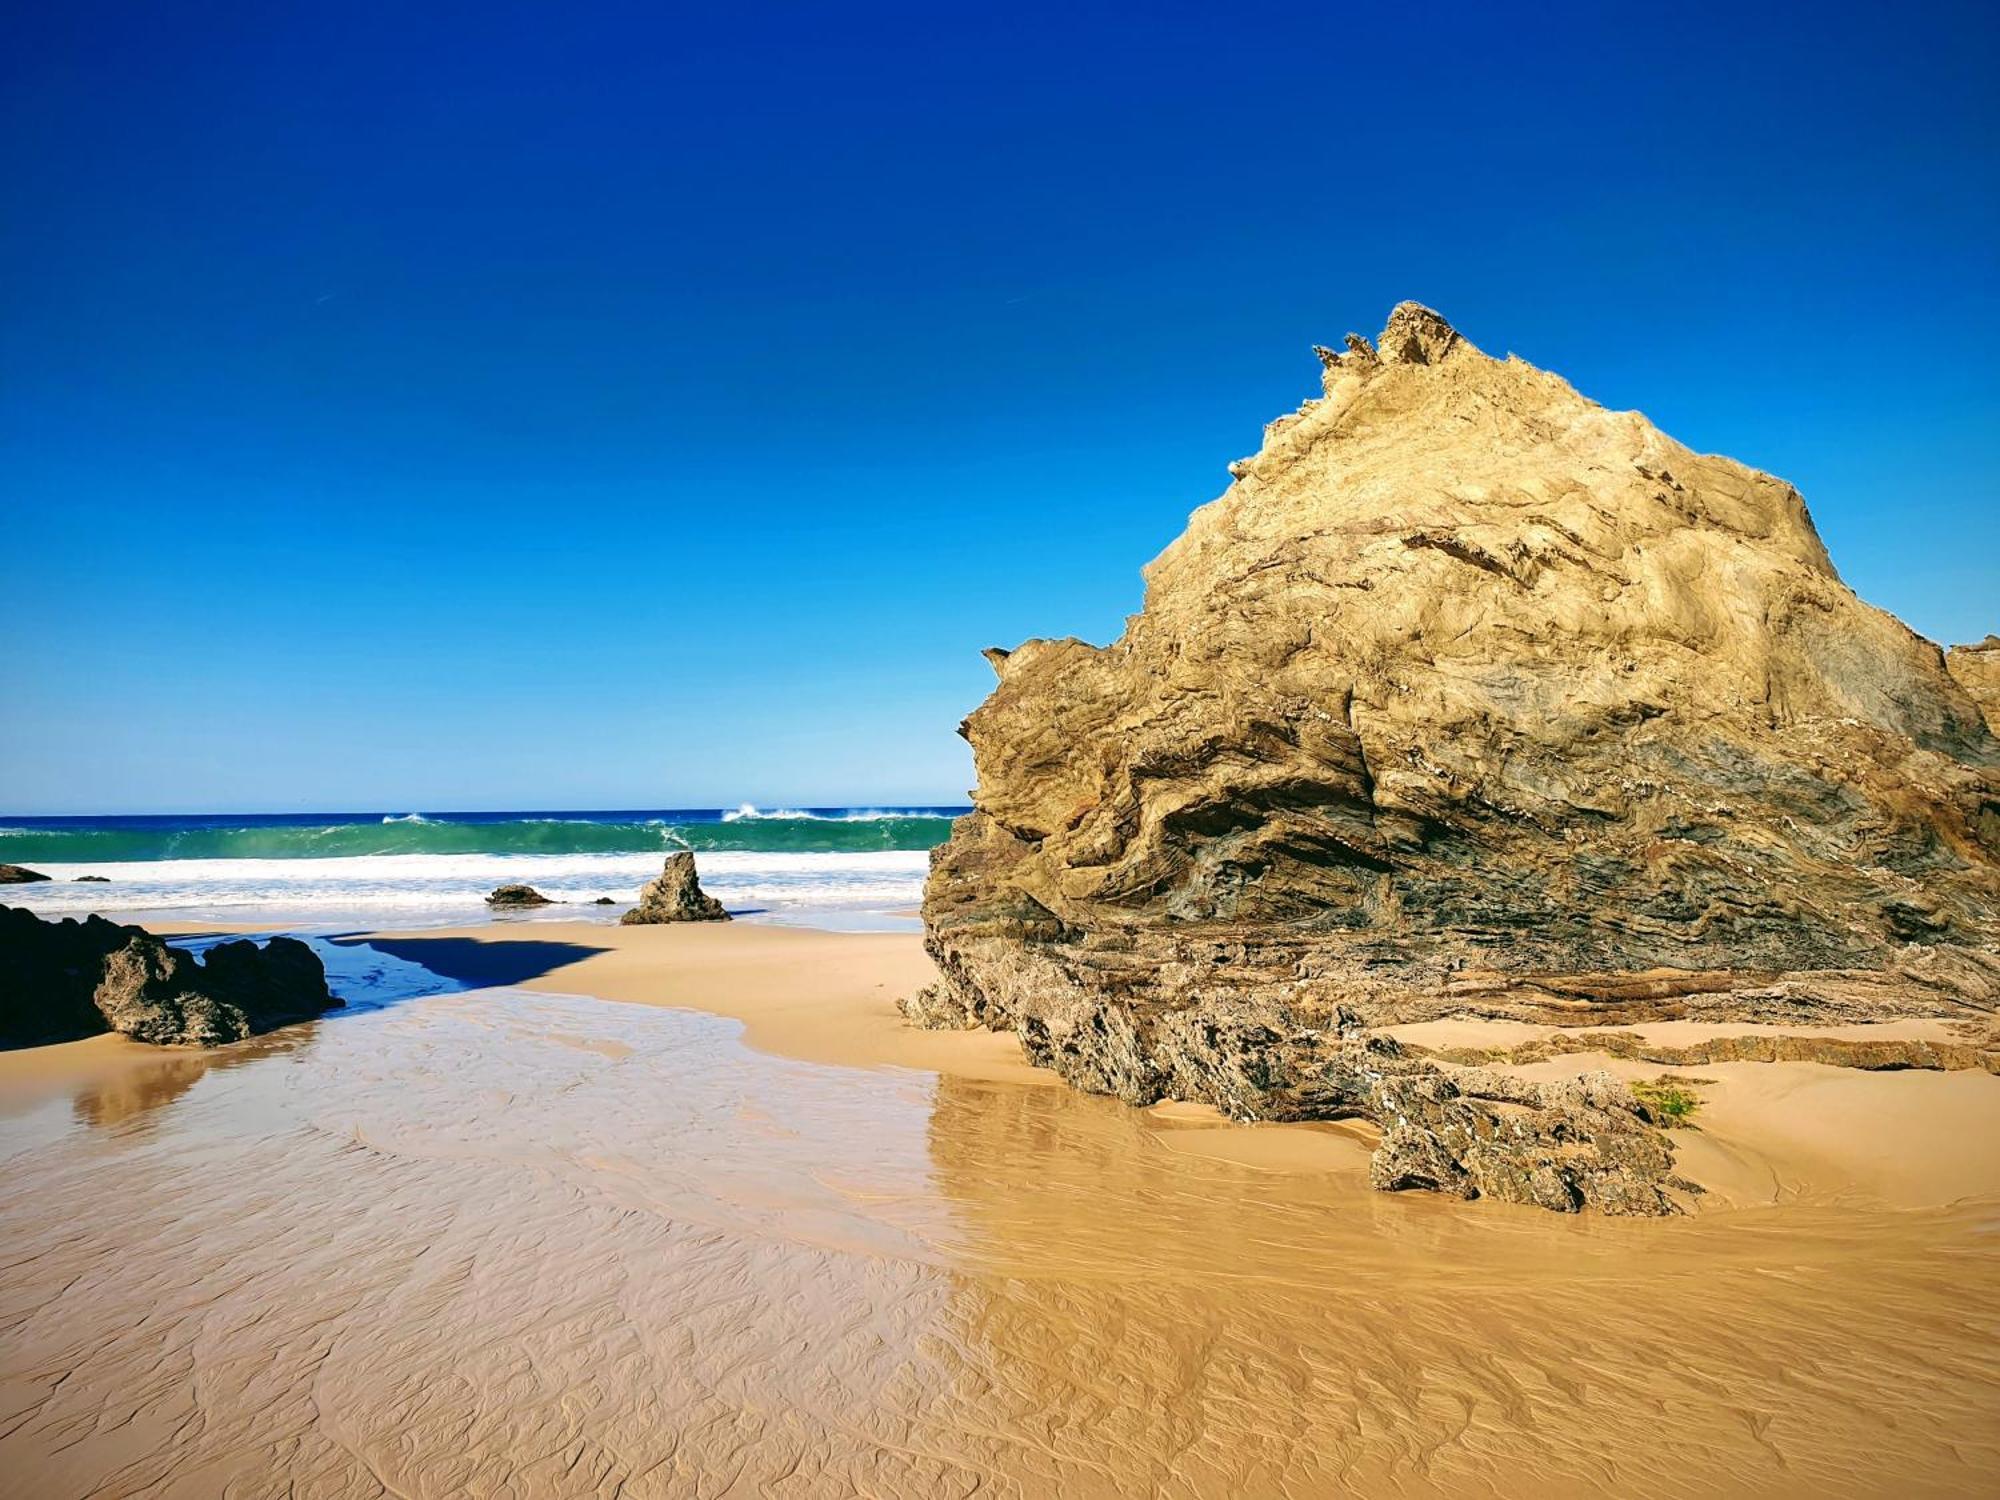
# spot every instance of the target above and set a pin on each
(19, 875)
(92, 880)
(1468, 698)
(674, 895)
(63, 980)
(517, 895)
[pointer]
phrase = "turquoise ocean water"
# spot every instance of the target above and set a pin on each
(840, 865)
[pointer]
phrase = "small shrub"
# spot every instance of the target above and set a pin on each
(1668, 1100)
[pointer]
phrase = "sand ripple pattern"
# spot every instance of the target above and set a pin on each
(506, 1245)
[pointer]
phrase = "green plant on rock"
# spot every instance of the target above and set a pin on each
(1669, 1101)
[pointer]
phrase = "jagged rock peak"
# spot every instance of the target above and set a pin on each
(1416, 335)
(674, 895)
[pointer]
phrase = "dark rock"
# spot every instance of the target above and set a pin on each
(17, 875)
(517, 895)
(92, 880)
(675, 896)
(68, 979)
(604, 901)
(49, 973)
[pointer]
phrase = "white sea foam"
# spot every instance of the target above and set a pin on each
(444, 887)
(749, 812)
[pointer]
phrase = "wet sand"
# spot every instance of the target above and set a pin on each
(815, 996)
(518, 1241)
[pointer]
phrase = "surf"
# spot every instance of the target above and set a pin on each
(381, 835)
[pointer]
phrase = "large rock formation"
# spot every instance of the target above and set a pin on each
(674, 895)
(68, 979)
(19, 875)
(1468, 697)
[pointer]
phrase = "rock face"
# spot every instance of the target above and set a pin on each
(68, 979)
(674, 896)
(1977, 669)
(1468, 697)
(19, 875)
(517, 895)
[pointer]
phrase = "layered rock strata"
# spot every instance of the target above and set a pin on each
(1977, 670)
(1469, 698)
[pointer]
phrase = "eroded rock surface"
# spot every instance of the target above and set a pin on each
(68, 979)
(1977, 669)
(674, 895)
(19, 875)
(1467, 698)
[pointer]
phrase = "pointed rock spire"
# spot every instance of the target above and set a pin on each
(1415, 335)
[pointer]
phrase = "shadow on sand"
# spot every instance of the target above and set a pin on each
(478, 964)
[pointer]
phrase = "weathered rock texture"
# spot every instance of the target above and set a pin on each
(19, 875)
(1468, 697)
(1977, 669)
(675, 895)
(64, 980)
(517, 895)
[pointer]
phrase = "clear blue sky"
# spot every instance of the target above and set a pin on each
(598, 405)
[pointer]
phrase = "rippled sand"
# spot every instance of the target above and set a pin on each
(503, 1243)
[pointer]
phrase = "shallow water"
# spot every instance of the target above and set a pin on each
(493, 1243)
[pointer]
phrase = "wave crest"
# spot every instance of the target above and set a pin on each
(781, 831)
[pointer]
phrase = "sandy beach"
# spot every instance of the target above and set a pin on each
(1769, 1132)
(669, 1211)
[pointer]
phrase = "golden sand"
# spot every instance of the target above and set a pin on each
(752, 1236)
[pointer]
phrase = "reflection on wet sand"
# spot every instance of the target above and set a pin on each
(136, 1090)
(132, 1090)
(501, 1244)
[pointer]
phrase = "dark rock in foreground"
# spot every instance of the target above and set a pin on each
(674, 896)
(517, 895)
(1472, 699)
(19, 875)
(68, 979)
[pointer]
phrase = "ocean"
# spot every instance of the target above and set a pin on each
(852, 867)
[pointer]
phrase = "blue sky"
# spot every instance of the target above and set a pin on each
(619, 405)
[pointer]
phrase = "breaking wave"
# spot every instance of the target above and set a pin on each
(346, 836)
